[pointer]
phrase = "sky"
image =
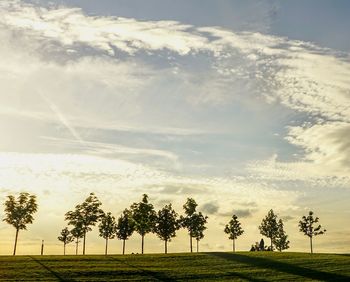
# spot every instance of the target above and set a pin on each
(242, 105)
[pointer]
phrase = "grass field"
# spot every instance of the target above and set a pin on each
(178, 267)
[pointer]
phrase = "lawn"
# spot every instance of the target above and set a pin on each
(243, 266)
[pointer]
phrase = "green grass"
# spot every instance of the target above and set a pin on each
(242, 266)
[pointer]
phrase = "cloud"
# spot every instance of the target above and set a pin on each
(325, 144)
(124, 106)
(287, 218)
(183, 187)
(241, 213)
(210, 208)
(69, 26)
(83, 91)
(110, 150)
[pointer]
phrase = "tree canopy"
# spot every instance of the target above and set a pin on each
(234, 230)
(166, 225)
(125, 227)
(85, 215)
(306, 226)
(269, 227)
(194, 222)
(144, 217)
(107, 228)
(19, 212)
(281, 241)
(65, 237)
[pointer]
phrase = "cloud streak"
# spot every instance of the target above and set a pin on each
(243, 119)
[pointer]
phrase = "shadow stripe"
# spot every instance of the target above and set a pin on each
(280, 266)
(154, 275)
(60, 278)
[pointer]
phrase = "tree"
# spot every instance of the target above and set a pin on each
(281, 239)
(306, 225)
(269, 227)
(234, 230)
(107, 228)
(85, 215)
(78, 233)
(20, 212)
(187, 220)
(166, 225)
(66, 238)
(199, 226)
(144, 217)
(193, 222)
(125, 227)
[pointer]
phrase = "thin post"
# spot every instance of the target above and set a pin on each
(42, 247)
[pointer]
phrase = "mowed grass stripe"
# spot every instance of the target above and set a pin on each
(82, 268)
(23, 268)
(244, 266)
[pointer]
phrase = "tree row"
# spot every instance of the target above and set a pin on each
(143, 219)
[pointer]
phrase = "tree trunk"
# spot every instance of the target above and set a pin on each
(197, 245)
(15, 247)
(233, 245)
(191, 243)
(166, 246)
(64, 249)
(76, 246)
(106, 249)
(123, 246)
(311, 245)
(271, 245)
(84, 243)
(142, 243)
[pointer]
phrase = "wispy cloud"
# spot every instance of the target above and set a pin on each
(62, 118)
(243, 119)
(110, 149)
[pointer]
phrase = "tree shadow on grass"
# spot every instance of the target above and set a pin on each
(159, 276)
(55, 274)
(266, 263)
